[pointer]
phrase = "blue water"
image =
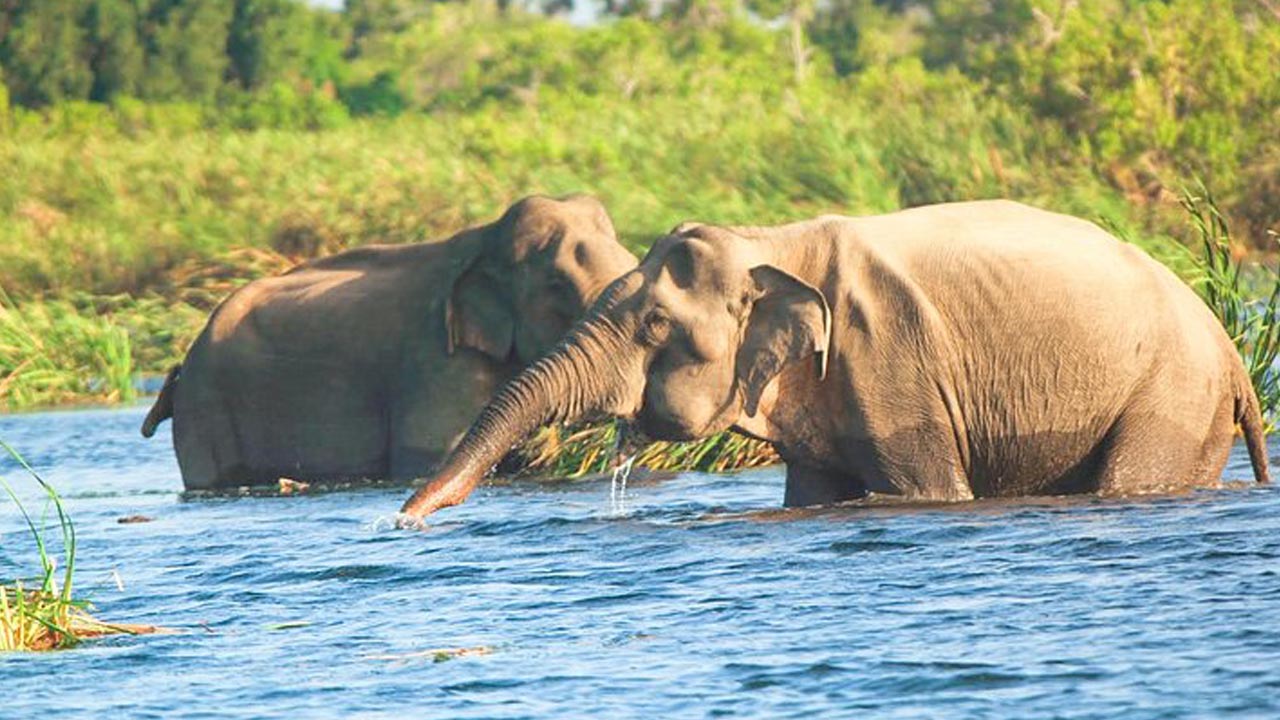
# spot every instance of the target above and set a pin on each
(690, 603)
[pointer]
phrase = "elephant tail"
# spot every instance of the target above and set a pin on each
(163, 408)
(1249, 415)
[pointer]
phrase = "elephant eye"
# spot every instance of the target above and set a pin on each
(656, 328)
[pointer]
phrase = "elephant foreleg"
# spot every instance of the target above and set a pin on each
(807, 485)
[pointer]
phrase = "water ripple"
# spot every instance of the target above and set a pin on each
(703, 599)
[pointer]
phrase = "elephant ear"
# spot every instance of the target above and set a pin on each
(789, 321)
(478, 314)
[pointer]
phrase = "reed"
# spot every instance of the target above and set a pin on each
(583, 450)
(53, 352)
(42, 613)
(1245, 298)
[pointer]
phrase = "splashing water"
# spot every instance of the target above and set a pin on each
(618, 485)
(398, 521)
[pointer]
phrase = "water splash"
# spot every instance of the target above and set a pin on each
(398, 521)
(618, 485)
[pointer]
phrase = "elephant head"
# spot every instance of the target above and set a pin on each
(687, 344)
(521, 281)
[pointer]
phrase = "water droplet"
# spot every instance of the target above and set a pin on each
(618, 486)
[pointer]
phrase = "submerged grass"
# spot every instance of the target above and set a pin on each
(42, 614)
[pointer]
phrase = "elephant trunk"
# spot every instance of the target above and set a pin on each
(564, 386)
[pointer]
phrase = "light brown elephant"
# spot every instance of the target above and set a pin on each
(982, 349)
(373, 362)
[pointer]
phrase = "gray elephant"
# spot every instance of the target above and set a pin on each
(373, 362)
(957, 351)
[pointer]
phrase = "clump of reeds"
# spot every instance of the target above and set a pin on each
(42, 614)
(1246, 303)
(51, 352)
(573, 452)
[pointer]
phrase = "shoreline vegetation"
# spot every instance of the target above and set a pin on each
(160, 154)
(43, 614)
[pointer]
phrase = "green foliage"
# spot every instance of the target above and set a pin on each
(1135, 95)
(379, 96)
(115, 53)
(40, 52)
(185, 49)
(1148, 92)
(52, 352)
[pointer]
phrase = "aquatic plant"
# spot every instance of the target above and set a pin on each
(42, 614)
(577, 451)
(1245, 300)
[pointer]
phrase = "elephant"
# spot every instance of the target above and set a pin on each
(371, 363)
(942, 353)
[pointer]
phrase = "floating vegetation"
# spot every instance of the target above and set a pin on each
(1246, 303)
(435, 655)
(42, 614)
(577, 451)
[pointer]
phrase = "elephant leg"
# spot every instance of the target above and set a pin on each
(1143, 453)
(410, 463)
(1216, 447)
(423, 432)
(208, 453)
(807, 485)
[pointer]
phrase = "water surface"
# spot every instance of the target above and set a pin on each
(689, 603)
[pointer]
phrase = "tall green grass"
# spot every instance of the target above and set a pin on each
(42, 613)
(53, 352)
(103, 213)
(1245, 299)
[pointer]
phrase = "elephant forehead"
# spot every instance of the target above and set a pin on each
(535, 236)
(704, 276)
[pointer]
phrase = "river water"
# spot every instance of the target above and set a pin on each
(695, 601)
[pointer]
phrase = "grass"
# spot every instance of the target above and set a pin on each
(578, 451)
(105, 214)
(53, 352)
(42, 614)
(1246, 303)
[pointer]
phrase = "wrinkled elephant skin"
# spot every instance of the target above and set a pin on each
(983, 349)
(373, 362)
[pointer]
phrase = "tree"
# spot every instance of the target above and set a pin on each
(113, 48)
(186, 43)
(40, 51)
(264, 41)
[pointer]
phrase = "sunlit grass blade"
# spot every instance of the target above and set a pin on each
(50, 617)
